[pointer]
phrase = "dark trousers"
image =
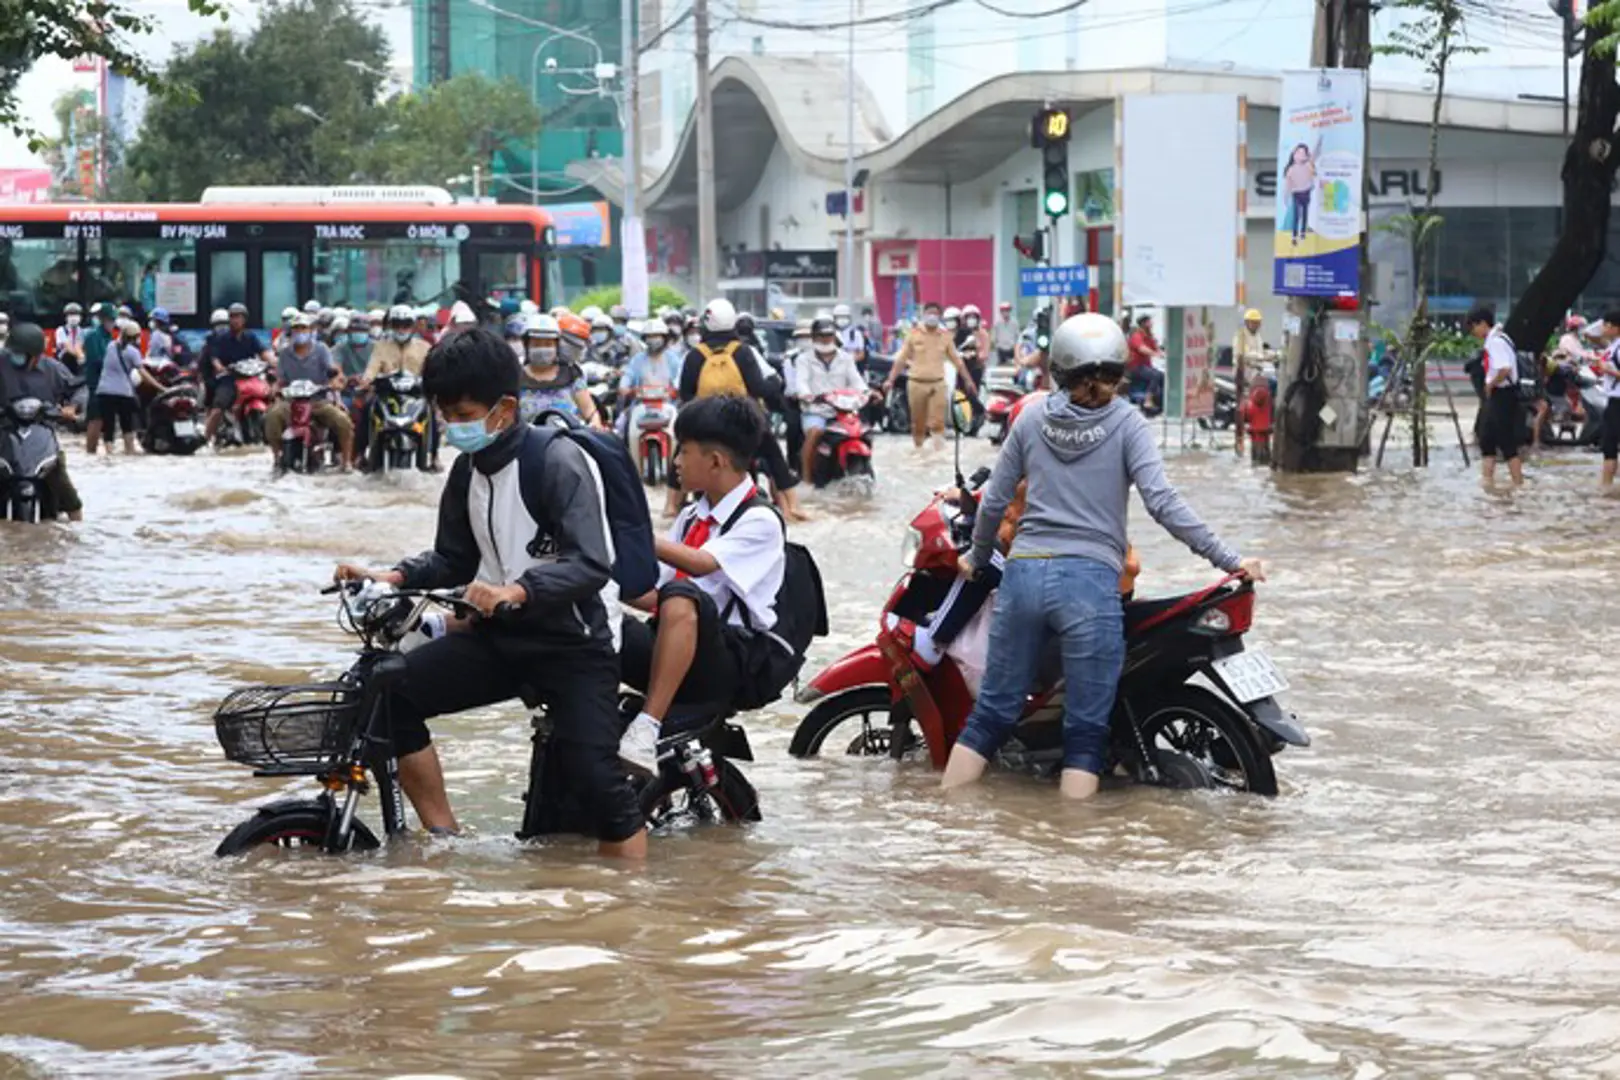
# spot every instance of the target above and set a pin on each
(795, 428)
(578, 685)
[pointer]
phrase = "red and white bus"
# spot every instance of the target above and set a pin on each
(272, 248)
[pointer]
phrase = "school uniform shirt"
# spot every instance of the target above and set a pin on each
(1611, 384)
(1500, 357)
(751, 557)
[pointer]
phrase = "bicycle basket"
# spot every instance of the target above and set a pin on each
(288, 729)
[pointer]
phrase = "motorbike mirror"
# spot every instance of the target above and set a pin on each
(979, 476)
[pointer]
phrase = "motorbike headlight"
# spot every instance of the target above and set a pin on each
(909, 546)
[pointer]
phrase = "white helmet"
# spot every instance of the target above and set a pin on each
(841, 314)
(527, 307)
(951, 315)
(719, 317)
(218, 316)
(376, 316)
(590, 313)
(1088, 343)
(970, 309)
(287, 313)
(401, 313)
(600, 321)
(559, 311)
(428, 312)
(650, 328)
(540, 325)
(340, 324)
(461, 314)
(312, 306)
(801, 329)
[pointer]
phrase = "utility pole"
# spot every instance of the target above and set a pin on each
(853, 278)
(1341, 37)
(633, 242)
(708, 244)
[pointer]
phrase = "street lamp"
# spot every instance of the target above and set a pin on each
(305, 110)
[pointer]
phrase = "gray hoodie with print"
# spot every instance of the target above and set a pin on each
(1081, 464)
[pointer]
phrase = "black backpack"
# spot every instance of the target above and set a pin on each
(635, 564)
(801, 616)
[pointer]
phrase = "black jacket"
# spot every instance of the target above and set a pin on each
(746, 358)
(530, 510)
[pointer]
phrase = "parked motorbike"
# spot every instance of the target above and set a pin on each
(399, 419)
(1166, 729)
(339, 731)
(246, 420)
(653, 443)
(844, 449)
(173, 409)
(1002, 392)
(305, 446)
(1573, 382)
(29, 453)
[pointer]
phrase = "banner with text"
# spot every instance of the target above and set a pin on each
(1198, 381)
(1322, 131)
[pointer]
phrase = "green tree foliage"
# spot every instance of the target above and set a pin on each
(291, 103)
(30, 29)
(445, 130)
(658, 296)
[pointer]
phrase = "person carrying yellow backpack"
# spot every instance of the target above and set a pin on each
(722, 362)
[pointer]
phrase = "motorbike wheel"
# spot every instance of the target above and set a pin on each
(300, 826)
(1198, 740)
(878, 718)
(652, 464)
(292, 455)
(253, 429)
(897, 421)
(667, 800)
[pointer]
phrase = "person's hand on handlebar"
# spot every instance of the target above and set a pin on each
(488, 598)
(1251, 570)
(351, 572)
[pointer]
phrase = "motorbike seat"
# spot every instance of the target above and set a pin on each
(1138, 612)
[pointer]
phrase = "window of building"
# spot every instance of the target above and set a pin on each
(377, 273)
(37, 277)
(920, 58)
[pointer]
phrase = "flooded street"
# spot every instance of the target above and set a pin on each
(1431, 894)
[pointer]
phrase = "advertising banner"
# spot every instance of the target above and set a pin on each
(1198, 382)
(1322, 132)
(583, 224)
(25, 186)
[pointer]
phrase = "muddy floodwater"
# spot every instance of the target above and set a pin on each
(1434, 892)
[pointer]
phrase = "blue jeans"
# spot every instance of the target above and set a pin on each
(1078, 600)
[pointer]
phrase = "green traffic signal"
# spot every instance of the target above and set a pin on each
(1057, 203)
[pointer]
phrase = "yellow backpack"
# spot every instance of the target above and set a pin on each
(720, 373)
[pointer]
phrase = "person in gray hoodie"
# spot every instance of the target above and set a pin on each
(1080, 451)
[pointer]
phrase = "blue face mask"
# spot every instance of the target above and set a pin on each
(470, 436)
(359, 337)
(18, 360)
(300, 337)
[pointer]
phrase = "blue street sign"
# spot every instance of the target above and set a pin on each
(1052, 281)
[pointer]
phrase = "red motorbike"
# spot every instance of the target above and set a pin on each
(304, 445)
(246, 425)
(845, 448)
(653, 421)
(1165, 729)
(1001, 402)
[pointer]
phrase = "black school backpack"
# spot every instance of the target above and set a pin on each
(801, 616)
(635, 564)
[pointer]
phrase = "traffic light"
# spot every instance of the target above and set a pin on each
(1050, 134)
(1043, 329)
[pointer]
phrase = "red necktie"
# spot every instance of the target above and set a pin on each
(697, 534)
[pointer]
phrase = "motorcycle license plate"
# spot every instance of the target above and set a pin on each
(1250, 676)
(185, 429)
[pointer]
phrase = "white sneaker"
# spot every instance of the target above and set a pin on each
(639, 746)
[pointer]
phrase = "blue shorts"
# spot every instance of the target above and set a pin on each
(811, 422)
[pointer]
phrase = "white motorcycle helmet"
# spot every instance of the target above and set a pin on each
(601, 328)
(590, 313)
(287, 315)
(971, 311)
(841, 316)
(719, 317)
(1089, 344)
(219, 317)
(950, 317)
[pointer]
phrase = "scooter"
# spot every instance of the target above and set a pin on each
(29, 453)
(602, 383)
(654, 446)
(173, 411)
(246, 427)
(304, 445)
(398, 418)
(1001, 394)
(875, 413)
(1562, 426)
(1166, 729)
(339, 731)
(844, 449)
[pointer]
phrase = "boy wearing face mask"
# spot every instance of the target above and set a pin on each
(825, 369)
(523, 525)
